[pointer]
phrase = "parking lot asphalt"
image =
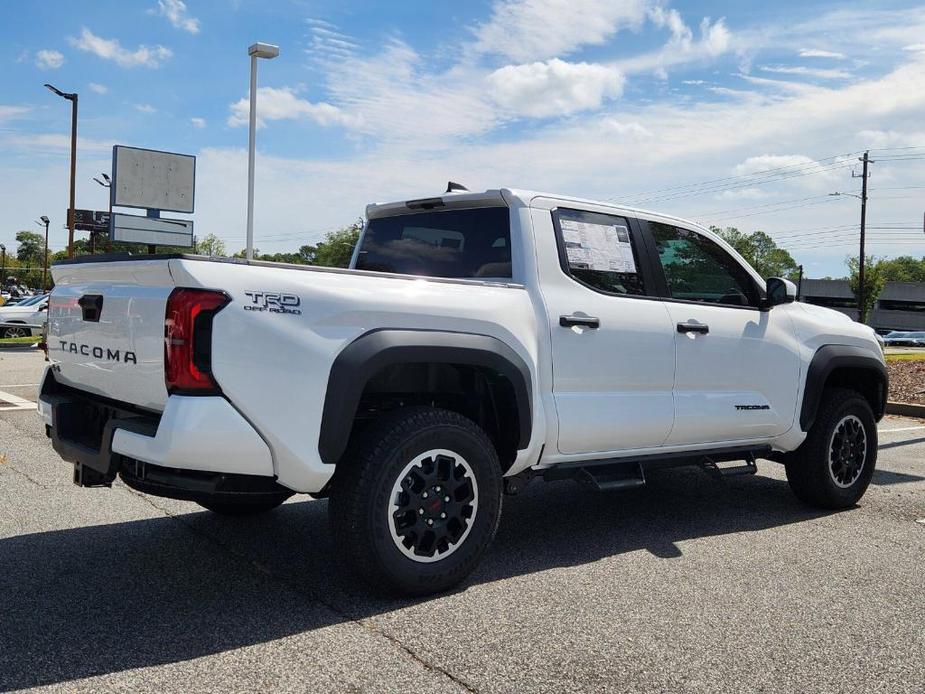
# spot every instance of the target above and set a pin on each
(688, 584)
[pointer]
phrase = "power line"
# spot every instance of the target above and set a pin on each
(810, 170)
(764, 172)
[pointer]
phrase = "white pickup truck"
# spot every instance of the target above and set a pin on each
(477, 341)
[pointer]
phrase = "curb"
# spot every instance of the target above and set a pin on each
(906, 409)
(19, 347)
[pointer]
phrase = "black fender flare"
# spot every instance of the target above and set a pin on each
(825, 361)
(359, 361)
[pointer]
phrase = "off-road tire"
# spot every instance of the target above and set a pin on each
(810, 467)
(361, 510)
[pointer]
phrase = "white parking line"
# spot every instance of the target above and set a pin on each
(890, 431)
(19, 385)
(9, 402)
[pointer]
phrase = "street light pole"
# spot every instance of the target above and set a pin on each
(72, 97)
(2, 265)
(257, 50)
(106, 183)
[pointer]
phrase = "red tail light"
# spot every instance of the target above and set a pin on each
(188, 340)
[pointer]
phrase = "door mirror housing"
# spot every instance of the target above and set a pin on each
(779, 291)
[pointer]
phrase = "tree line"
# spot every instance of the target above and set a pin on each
(334, 250)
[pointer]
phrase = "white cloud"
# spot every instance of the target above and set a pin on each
(808, 72)
(553, 88)
(621, 130)
(327, 43)
(285, 104)
(819, 53)
(200, 122)
(8, 113)
(98, 88)
(396, 96)
(47, 59)
(914, 47)
(744, 194)
(175, 12)
(682, 48)
(766, 162)
(55, 143)
(525, 30)
(693, 82)
(881, 139)
(145, 108)
(111, 49)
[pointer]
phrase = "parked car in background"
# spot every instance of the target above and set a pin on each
(902, 339)
(18, 320)
(889, 338)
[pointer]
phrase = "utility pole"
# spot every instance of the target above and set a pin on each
(862, 287)
(2, 265)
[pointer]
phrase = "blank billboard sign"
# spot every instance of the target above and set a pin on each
(153, 180)
(129, 228)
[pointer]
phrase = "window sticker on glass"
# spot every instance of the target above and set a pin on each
(603, 247)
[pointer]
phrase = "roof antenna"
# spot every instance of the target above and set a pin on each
(452, 186)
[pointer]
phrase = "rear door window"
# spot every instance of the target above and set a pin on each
(471, 243)
(599, 251)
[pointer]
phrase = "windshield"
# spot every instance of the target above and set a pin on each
(451, 243)
(28, 302)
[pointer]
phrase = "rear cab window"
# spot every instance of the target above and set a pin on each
(470, 243)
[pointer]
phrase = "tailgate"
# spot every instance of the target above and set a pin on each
(106, 329)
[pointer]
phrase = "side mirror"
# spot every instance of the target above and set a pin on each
(780, 291)
(43, 307)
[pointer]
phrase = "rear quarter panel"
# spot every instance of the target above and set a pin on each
(274, 367)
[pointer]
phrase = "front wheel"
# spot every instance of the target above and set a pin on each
(417, 500)
(833, 467)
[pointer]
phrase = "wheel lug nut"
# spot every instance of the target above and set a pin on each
(420, 512)
(446, 499)
(443, 515)
(424, 495)
(430, 521)
(437, 488)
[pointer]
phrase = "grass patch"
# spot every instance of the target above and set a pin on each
(19, 340)
(910, 356)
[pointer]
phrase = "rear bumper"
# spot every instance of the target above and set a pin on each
(203, 434)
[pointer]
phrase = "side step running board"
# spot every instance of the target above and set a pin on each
(746, 467)
(611, 477)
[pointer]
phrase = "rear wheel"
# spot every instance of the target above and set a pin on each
(834, 466)
(416, 500)
(242, 507)
(16, 332)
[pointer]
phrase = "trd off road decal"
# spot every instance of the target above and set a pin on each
(273, 302)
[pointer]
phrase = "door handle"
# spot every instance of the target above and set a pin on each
(693, 328)
(585, 321)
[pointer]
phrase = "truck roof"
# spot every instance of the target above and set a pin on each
(505, 196)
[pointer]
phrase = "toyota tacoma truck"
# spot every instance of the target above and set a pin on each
(476, 341)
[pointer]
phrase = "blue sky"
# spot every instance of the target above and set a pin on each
(729, 113)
